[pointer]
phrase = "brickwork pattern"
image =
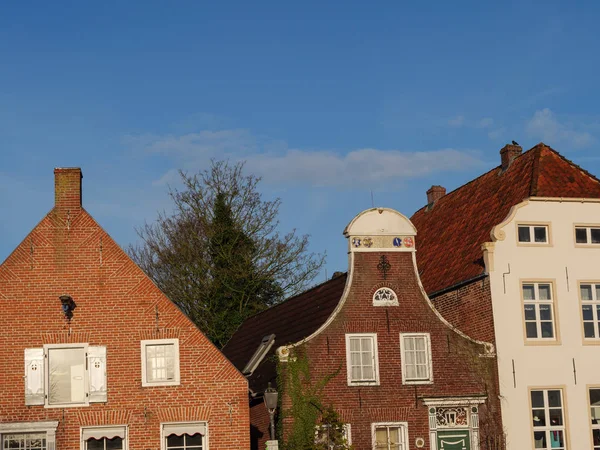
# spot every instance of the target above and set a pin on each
(117, 307)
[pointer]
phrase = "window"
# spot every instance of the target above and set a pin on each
(548, 419)
(61, 375)
(595, 416)
(415, 351)
(361, 359)
(538, 310)
(160, 362)
(590, 309)
(333, 439)
(184, 436)
(385, 297)
(587, 235)
(24, 441)
(533, 234)
(28, 435)
(104, 438)
(390, 436)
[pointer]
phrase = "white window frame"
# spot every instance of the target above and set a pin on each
(429, 378)
(347, 432)
(375, 359)
(548, 428)
(588, 232)
(47, 427)
(86, 384)
(403, 426)
(538, 321)
(199, 424)
(390, 302)
(531, 226)
(109, 430)
(150, 342)
(595, 304)
(595, 427)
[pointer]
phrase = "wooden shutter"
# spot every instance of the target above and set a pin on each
(97, 374)
(34, 376)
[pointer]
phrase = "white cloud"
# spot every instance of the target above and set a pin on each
(278, 164)
(545, 125)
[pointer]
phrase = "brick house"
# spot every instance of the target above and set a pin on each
(94, 356)
(401, 376)
(523, 273)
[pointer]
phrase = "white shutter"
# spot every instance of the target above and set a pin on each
(34, 376)
(97, 373)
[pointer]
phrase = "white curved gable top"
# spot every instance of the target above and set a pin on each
(381, 228)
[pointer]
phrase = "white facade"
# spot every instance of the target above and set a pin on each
(567, 362)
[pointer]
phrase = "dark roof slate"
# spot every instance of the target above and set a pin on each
(451, 233)
(290, 321)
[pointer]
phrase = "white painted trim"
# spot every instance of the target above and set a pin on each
(454, 401)
(370, 210)
(427, 337)
(375, 360)
(124, 427)
(49, 427)
(176, 380)
(203, 423)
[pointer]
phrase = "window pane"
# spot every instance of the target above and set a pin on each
(547, 330)
(545, 312)
(586, 291)
(160, 362)
(539, 418)
(381, 436)
(545, 292)
(409, 343)
(95, 444)
(539, 234)
(581, 235)
(524, 235)
(114, 444)
(368, 373)
(531, 329)
(420, 343)
(597, 291)
(540, 439)
(537, 399)
(557, 439)
(556, 418)
(587, 312)
(588, 330)
(196, 439)
(528, 292)
(67, 375)
(595, 232)
(411, 372)
(367, 345)
(175, 440)
(554, 399)
(530, 312)
(394, 435)
(354, 344)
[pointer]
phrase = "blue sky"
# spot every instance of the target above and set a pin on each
(327, 101)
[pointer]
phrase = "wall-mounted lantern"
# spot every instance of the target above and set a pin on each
(68, 305)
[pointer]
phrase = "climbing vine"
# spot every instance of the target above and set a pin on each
(312, 424)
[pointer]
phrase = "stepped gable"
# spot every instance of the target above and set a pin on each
(452, 231)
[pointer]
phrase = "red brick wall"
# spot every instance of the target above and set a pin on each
(458, 370)
(469, 308)
(259, 425)
(117, 305)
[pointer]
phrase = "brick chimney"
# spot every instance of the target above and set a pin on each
(508, 153)
(435, 193)
(67, 189)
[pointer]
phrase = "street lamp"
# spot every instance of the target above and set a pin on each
(270, 397)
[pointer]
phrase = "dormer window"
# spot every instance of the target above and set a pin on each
(385, 297)
(533, 234)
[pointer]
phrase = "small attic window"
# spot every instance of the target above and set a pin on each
(385, 297)
(265, 345)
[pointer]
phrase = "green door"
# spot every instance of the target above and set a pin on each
(453, 440)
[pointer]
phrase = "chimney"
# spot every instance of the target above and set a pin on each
(508, 153)
(67, 189)
(435, 193)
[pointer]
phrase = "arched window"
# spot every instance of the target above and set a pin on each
(385, 297)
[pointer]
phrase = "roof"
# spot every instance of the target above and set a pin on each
(291, 321)
(451, 232)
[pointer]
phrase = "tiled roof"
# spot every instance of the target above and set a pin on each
(290, 321)
(451, 233)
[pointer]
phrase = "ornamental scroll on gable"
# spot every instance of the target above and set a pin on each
(378, 229)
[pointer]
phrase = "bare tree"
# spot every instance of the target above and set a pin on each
(220, 256)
